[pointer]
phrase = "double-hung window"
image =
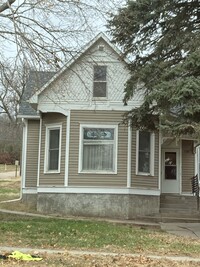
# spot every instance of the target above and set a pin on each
(53, 148)
(98, 146)
(99, 81)
(145, 153)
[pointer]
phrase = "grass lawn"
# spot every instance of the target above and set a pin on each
(23, 231)
(90, 235)
(9, 189)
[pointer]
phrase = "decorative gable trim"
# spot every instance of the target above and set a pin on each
(34, 98)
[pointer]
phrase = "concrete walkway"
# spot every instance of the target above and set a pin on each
(191, 230)
(94, 253)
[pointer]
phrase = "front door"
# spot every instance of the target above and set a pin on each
(170, 171)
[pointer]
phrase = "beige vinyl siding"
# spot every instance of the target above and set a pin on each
(97, 117)
(32, 153)
(142, 181)
(53, 179)
(188, 165)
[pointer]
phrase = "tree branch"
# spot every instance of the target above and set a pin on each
(6, 5)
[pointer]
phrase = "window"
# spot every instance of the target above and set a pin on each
(145, 152)
(99, 86)
(170, 166)
(98, 149)
(53, 148)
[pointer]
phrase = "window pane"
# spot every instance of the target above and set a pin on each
(53, 159)
(170, 165)
(53, 156)
(99, 89)
(54, 136)
(144, 162)
(98, 157)
(100, 73)
(98, 134)
(144, 141)
(144, 152)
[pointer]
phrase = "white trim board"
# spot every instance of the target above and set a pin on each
(92, 190)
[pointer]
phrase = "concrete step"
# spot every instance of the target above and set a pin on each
(175, 209)
(178, 206)
(178, 202)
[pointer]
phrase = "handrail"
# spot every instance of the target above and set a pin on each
(195, 188)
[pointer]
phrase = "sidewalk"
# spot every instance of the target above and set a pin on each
(94, 253)
(8, 175)
(191, 230)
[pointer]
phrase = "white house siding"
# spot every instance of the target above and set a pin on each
(102, 180)
(53, 179)
(188, 165)
(32, 153)
(142, 181)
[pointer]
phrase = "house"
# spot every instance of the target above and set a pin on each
(80, 159)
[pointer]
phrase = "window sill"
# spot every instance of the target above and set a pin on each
(144, 174)
(97, 172)
(51, 172)
(103, 98)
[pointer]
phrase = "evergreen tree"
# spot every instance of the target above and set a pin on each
(162, 39)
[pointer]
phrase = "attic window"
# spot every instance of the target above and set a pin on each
(99, 82)
(101, 47)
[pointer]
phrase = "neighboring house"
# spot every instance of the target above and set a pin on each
(78, 156)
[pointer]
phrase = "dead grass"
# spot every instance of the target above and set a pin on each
(98, 261)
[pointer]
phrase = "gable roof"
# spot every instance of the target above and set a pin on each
(34, 97)
(35, 80)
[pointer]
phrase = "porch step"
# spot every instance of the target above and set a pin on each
(178, 203)
(175, 208)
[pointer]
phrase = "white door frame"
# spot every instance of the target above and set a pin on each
(171, 186)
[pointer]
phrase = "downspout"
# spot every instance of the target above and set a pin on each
(24, 146)
(129, 155)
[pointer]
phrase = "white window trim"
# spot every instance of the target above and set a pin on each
(152, 155)
(46, 159)
(106, 82)
(115, 152)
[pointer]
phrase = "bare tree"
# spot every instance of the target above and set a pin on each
(43, 34)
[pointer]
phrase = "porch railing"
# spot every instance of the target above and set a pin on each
(195, 188)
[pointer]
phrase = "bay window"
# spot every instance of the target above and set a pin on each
(98, 149)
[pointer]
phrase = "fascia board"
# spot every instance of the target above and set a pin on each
(33, 99)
